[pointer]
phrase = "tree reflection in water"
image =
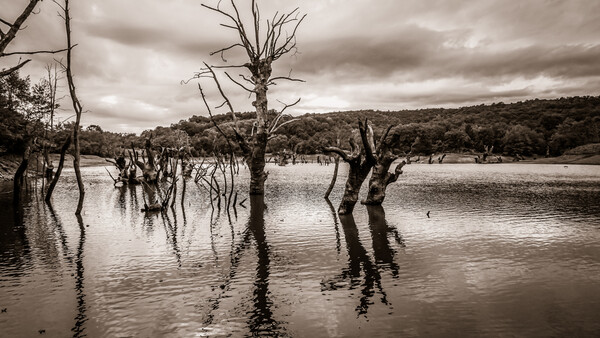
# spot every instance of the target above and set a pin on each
(15, 250)
(260, 316)
(79, 328)
(384, 254)
(261, 319)
(360, 262)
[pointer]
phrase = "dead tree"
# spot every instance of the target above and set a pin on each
(263, 47)
(381, 177)
(61, 162)
(335, 173)
(361, 160)
(120, 163)
(76, 105)
(51, 86)
(6, 37)
(441, 158)
(148, 168)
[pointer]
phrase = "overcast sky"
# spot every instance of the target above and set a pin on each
(353, 54)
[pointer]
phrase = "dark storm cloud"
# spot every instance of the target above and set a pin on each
(365, 55)
(353, 54)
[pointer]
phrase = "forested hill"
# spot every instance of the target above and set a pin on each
(526, 128)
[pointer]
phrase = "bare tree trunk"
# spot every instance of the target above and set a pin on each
(256, 163)
(76, 107)
(334, 178)
(61, 163)
(356, 176)
(48, 166)
(360, 164)
(148, 169)
(380, 179)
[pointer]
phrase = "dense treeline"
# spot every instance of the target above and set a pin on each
(525, 128)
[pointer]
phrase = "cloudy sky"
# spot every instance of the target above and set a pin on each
(353, 54)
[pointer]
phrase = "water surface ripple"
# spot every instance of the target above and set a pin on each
(507, 250)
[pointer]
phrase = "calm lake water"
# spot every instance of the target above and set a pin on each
(507, 250)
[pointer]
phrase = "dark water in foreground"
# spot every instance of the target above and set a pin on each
(509, 250)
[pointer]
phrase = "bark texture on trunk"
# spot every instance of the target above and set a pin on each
(360, 161)
(256, 163)
(77, 108)
(334, 178)
(356, 176)
(381, 177)
(148, 169)
(61, 163)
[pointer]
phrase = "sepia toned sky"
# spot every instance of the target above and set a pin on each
(353, 54)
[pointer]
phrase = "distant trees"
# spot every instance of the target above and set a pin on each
(562, 124)
(521, 140)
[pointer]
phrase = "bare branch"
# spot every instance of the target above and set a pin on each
(382, 140)
(9, 71)
(338, 151)
(213, 119)
(247, 79)
(239, 84)
(366, 139)
(36, 52)
(5, 22)
(278, 117)
(272, 81)
(16, 26)
(226, 49)
(283, 124)
(223, 94)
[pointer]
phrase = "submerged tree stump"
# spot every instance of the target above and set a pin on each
(360, 166)
(381, 177)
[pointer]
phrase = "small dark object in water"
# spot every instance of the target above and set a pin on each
(42, 331)
(428, 213)
(4, 310)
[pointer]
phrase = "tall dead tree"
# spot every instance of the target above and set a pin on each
(360, 161)
(76, 105)
(263, 47)
(381, 177)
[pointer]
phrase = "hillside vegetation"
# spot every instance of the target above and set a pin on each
(525, 128)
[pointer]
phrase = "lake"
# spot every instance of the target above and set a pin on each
(506, 250)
